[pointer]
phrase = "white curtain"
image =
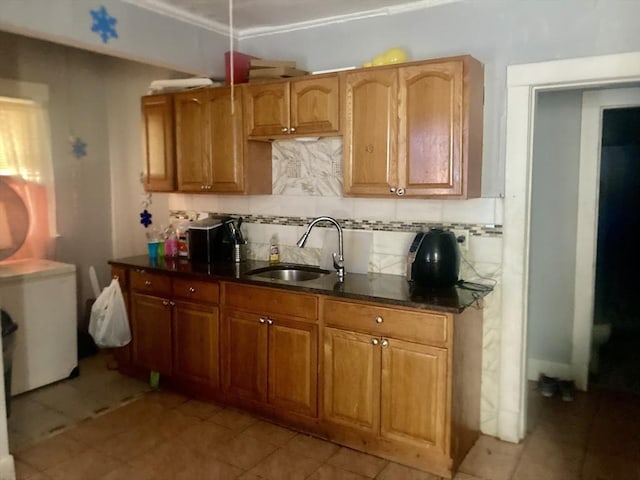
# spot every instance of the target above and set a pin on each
(25, 147)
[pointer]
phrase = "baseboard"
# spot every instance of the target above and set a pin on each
(7, 468)
(552, 369)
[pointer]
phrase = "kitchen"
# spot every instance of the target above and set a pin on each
(505, 36)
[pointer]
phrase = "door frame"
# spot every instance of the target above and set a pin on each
(523, 84)
(593, 105)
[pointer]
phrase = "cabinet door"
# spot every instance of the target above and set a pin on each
(192, 140)
(430, 136)
(245, 355)
(293, 365)
(158, 143)
(267, 109)
(227, 139)
(315, 105)
(195, 343)
(370, 130)
(351, 380)
(414, 394)
(151, 332)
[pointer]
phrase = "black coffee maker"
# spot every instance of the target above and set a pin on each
(434, 259)
(212, 240)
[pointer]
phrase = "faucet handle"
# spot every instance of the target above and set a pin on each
(338, 264)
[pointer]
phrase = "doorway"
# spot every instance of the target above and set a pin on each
(614, 364)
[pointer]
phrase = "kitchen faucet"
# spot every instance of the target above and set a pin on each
(338, 259)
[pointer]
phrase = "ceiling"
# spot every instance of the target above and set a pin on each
(257, 17)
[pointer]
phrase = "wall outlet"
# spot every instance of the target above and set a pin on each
(462, 235)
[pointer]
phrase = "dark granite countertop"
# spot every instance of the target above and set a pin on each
(382, 288)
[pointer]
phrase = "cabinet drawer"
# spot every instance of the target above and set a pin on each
(120, 273)
(155, 283)
(195, 290)
(269, 301)
(421, 327)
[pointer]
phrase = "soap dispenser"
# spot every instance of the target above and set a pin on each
(274, 251)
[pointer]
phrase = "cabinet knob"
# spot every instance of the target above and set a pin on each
(400, 192)
(384, 343)
(192, 290)
(379, 320)
(293, 129)
(147, 283)
(262, 320)
(208, 187)
(116, 277)
(369, 148)
(269, 321)
(392, 189)
(375, 341)
(202, 187)
(285, 129)
(165, 303)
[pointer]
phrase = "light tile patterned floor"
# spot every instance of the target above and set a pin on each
(161, 435)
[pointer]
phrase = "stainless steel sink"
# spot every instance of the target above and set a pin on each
(289, 272)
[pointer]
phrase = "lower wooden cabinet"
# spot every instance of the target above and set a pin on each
(400, 383)
(151, 333)
(272, 360)
(195, 343)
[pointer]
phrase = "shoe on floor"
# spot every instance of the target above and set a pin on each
(548, 386)
(567, 390)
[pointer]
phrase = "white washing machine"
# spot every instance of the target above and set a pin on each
(40, 296)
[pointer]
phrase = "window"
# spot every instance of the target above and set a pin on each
(25, 146)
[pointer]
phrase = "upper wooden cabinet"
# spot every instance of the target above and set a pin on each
(158, 143)
(304, 106)
(414, 130)
(212, 153)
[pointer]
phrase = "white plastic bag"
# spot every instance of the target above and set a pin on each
(109, 324)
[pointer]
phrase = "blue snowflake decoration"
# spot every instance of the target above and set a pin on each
(79, 148)
(103, 24)
(145, 218)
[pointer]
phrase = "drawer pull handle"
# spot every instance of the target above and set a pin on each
(375, 341)
(192, 290)
(379, 320)
(384, 343)
(269, 321)
(147, 283)
(262, 320)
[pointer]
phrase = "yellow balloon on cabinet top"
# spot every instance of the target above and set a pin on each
(378, 60)
(395, 55)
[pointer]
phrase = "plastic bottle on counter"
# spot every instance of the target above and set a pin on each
(274, 251)
(171, 243)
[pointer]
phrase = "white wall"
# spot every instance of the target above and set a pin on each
(142, 34)
(496, 32)
(554, 208)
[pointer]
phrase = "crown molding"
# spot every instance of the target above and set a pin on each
(162, 8)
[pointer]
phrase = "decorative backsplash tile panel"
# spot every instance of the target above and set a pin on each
(307, 168)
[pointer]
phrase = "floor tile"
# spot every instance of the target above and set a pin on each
(312, 447)
(233, 419)
(23, 470)
(466, 476)
(394, 471)
(208, 469)
(51, 452)
(196, 408)
(609, 467)
(285, 465)
(88, 464)
(542, 458)
(244, 451)
(329, 472)
(491, 458)
(205, 437)
(271, 433)
(357, 462)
